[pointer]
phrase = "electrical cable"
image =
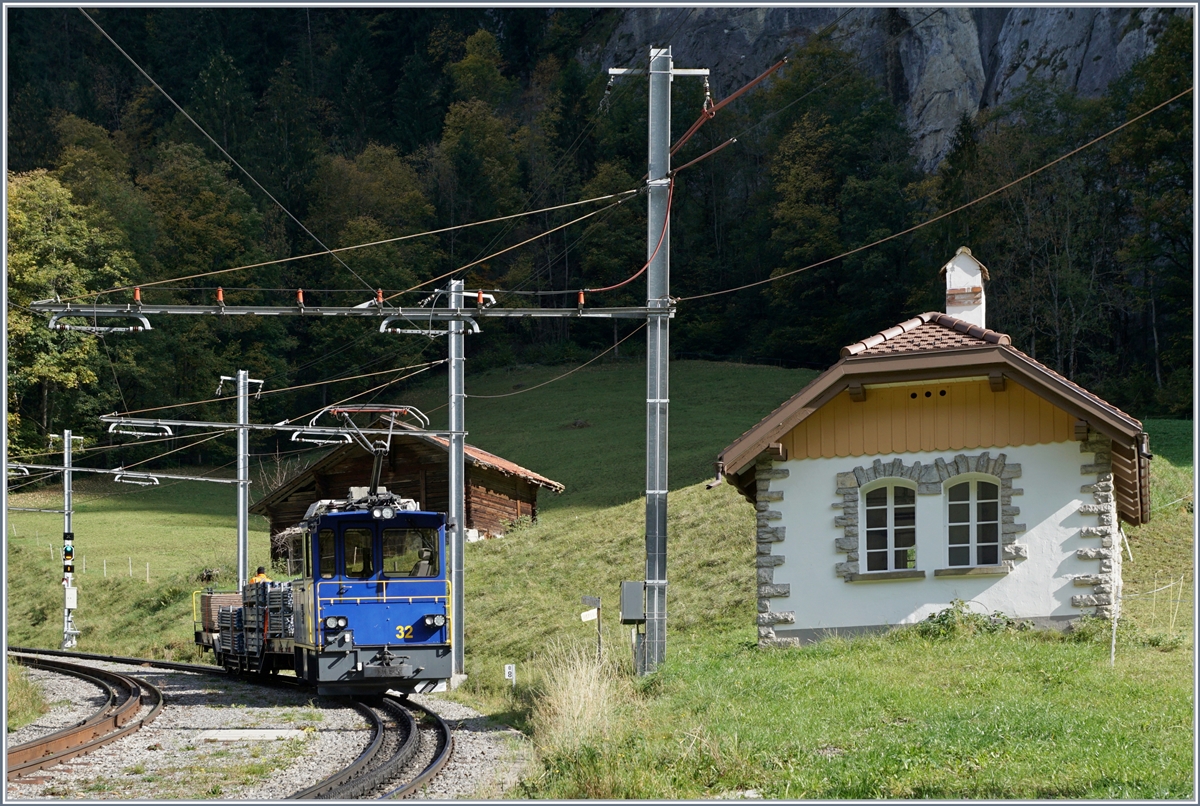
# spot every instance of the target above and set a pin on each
(508, 249)
(182, 448)
(597, 357)
(848, 68)
(339, 249)
(947, 214)
(575, 145)
(284, 389)
(661, 237)
(227, 155)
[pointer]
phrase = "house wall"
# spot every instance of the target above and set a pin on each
(890, 420)
(1061, 543)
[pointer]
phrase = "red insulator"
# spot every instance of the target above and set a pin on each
(479, 298)
(220, 296)
(379, 296)
(300, 297)
(581, 298)
(137, 295)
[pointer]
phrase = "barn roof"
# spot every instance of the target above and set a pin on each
(938, 346)
(473, 455)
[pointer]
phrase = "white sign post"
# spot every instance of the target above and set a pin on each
(510, 673)
(593, 615)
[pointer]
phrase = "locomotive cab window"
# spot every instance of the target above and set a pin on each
(410, 553)
(325, 544)
(358, 551)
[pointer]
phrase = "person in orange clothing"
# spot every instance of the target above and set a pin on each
(261, 576)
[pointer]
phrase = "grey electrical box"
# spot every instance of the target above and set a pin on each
(633, 608)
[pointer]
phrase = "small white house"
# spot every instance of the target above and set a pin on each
(935, 462)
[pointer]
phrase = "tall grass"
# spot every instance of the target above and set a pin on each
(23, 698)
(579, 698)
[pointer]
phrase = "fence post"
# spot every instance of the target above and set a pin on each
(130, 565)
(147, 573)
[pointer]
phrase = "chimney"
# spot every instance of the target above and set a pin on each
(964, 287)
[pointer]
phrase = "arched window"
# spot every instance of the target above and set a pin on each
(891, 528)
(974, 522)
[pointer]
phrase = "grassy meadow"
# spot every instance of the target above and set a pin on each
(964, 713)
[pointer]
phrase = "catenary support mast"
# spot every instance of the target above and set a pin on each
(457, 468)
(658, 316)
(657, 358)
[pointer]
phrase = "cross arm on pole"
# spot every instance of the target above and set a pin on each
(466, 315)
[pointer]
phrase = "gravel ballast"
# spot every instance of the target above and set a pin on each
(167, 760)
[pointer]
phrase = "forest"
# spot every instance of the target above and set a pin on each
(357, 125)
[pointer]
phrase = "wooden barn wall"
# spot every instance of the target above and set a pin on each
(891, 420)
(493, 499)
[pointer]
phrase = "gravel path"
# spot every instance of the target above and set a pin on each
(169, 759)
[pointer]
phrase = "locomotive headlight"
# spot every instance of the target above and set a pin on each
(331, 622)
(377, 512)
(341, 622)
(436, 620)
(388, 513)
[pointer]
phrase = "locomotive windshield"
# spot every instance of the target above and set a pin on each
(356, 543)
(325, 548)
(410, 552)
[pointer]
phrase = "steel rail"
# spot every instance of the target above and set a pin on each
(155, 664)
(61, 309)
(111, 722)
(441, 755)
(323, 788)
(379, 775)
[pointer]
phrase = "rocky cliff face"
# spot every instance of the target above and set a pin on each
(953, 60)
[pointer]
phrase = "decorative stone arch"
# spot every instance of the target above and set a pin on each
(929, 479)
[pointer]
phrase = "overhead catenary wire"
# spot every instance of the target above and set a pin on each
(595, 358)
(397, 239)
(286, 388)
(525, 242)
(941, 216)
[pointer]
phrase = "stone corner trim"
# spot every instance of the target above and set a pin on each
(769, 532)
(929, 480)
(1106, 582)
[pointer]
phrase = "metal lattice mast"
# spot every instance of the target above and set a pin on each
(243, 477)
(657, 358)
(457, 468)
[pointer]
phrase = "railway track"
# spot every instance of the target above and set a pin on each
(384, 770)
(125, 696)
(387, 768)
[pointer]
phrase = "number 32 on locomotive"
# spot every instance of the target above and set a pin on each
(404, 632)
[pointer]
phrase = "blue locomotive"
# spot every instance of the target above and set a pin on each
(371, 613)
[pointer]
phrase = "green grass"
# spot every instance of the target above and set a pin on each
(1163, 549)
(1002, 716)
(23, 698)
(588, 430)
(177, 528)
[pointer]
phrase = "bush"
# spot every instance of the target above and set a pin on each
(959, 620)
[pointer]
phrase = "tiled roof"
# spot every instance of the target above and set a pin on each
(929, 331)
(1068, 382)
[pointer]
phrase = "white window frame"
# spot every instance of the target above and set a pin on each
(973, 545)
(891, 484)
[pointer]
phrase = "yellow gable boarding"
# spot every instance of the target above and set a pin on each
(931, 416)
